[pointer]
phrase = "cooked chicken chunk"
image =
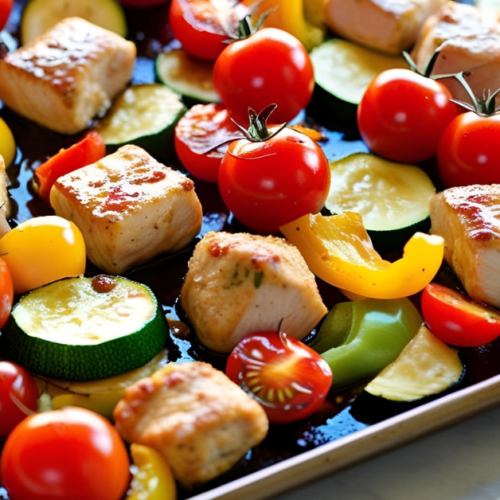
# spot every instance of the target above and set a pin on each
(468, 218)
(200, 421)
(68, 75)
(129, 207)
(4, 200)
(387, 25)
(468, 39)
(239, 284)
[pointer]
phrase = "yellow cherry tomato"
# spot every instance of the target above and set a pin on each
(42, 250)
(153, 479)
(7, 144)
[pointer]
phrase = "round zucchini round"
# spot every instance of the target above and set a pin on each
(144, 115)
(393, 199)
(343, 71)
(187, 75)
(72, 330)
(39, 16)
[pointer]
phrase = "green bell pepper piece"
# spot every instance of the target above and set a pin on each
(359, 339)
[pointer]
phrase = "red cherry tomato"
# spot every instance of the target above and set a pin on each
(403, 115)
(202, 26)
(289, 379)
(468, 152)
(458, 320)
(5, 10)
(17, 385)
(268, 184)
(89, 150)
(67, 454)
(201, 128)
(270, 66)
(141, 3)
(6, 293)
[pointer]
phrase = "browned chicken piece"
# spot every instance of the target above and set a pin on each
(62, 79)
(4, 200)
(468, 218)
(129, 208)
(390, 26)
(468, 39)
(191, 413)
(239, 284)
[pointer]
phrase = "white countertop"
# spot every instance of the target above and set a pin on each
(459, 463)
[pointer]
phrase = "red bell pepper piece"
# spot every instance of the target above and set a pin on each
(89, 150)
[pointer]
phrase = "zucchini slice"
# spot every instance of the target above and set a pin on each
(345, 69)
(75, 330)
(40, 16)
(393, 199)
(144, 115)
(425, 367)
(187, 75)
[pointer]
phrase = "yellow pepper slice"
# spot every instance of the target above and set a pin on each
(103, 404)
(7, 144)
(338, 250)
(153, 479)
(302, 18)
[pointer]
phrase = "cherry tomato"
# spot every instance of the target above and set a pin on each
(201, 128)
(270, 66)
(403, 115)
(42, 250)
(16, 385)
(202, 26)
(6, 293)
(65, 454)
(458, 320)
(468, 152)
(268, 184)
(289, 379)
(5, 10)
(141, 3)
(89, 150)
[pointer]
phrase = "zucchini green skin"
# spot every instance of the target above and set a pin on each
(332, 111)
(160, 145)
(395, 240)
(87, 362)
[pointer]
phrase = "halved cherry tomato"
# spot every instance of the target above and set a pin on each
(271, 183)
(17, 389)
(458, 320)
(65, 454)
(202, 128)
(468, 152)
(203, 26)
(403, 115)
(5, 10)
(289, 379)
(42, 250)
(270, 66)
(89, 150)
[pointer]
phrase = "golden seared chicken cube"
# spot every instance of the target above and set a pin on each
(191, 413)
(129, 207)
(390, 26)
(468, 218)
(468, 39)
(62, 79)
(239, 284)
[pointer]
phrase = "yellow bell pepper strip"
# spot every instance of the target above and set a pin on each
(338, 250)
(153, 479)
(302, 18)
(7, 144)
(104, 404)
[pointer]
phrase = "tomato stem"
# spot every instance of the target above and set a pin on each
(258, 131)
